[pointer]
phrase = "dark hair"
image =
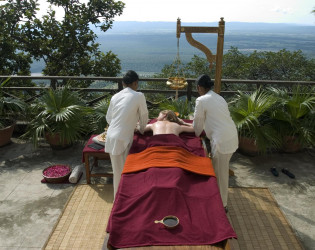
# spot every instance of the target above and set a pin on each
(130, 77)
(205, 81)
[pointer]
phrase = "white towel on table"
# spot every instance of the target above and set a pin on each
(76, 173)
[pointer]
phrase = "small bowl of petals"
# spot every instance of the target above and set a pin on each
(57, 173)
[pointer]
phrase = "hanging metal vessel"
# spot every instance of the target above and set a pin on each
(178, 81)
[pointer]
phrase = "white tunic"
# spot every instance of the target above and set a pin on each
(213, 116)
(126, 108)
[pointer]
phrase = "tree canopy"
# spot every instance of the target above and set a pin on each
(268, 65)
(258, 65)
(13, 59)
(67, 46)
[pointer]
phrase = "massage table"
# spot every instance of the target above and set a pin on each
(168, 175)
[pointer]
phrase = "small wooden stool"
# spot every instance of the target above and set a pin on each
(97, 155)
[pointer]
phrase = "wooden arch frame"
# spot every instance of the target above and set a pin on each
(218, 58)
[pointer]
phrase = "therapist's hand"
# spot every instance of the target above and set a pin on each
(184, 123)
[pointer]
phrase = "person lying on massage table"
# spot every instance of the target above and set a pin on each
(168, 123)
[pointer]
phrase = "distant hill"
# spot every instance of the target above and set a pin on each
(170, 27)
(147, 46)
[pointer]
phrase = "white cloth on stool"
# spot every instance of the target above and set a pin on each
(76, 173)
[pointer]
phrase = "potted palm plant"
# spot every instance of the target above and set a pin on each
(98, 116)
(61, 118)
(10, 108)
(294, 117)
(250, 113)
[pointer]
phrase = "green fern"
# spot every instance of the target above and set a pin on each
(250, 113)
(294, 113)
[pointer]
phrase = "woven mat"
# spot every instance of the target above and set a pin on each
(83, 222)
(253, 213)
(258, 221)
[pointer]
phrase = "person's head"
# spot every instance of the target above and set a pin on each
(204, 84)
(131, 79)
(168, 115)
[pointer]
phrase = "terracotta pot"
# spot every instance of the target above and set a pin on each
(55, 142)
(248, 146)
(6, 134)
(291, 144)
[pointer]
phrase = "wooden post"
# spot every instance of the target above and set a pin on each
(219, 59)
(178, 28)
(120, 86)
(53, 83)
(189, 91)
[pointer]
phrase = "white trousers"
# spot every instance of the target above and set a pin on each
(118, 162)
(220, 164)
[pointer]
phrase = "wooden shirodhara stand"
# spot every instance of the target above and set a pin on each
(218, 58)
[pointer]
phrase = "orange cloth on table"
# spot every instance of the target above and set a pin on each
(168, 156)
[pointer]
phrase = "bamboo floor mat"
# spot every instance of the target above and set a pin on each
(253, 213)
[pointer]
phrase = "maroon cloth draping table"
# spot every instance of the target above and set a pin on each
(152, 194)
(189, 142)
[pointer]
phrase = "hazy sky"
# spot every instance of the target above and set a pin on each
(270, 11)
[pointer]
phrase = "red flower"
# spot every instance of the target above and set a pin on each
(56, 171)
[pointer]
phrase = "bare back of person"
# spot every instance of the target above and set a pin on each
(167, 127)
(168, 123)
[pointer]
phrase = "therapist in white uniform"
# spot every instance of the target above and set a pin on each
(127, 108)
(213, 116)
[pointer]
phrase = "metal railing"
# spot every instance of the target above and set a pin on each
(189, 92)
